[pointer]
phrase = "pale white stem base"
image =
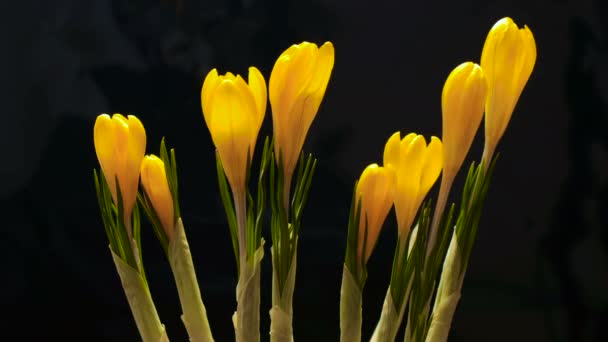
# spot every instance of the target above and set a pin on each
(281, 313)
(448, 294)
(390, 320)
(351, 310)
(194, 313)
(246, 319)
(140, 301)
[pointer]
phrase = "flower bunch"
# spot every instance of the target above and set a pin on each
(428, 249)
(234, 111)
(433, 244)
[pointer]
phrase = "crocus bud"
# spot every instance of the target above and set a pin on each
(120, 144)
(507, 59)
(376, 191)
(156, 186)
(296, 88)
(462, 101)
(234, 111)
(417, 168)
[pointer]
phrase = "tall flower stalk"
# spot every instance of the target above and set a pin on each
(507, 60)
(372, 200)
(417, 166)
(297, 86)
(234, 110)
(161, 204)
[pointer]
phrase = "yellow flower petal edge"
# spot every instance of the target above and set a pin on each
(417, 167)
(376, 191)
(234, 111)
(508, 58)
(297, 86)
(120, 144)
(156, 186)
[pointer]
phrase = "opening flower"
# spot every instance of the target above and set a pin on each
(417, 166)
(234, 110)
(120, 144)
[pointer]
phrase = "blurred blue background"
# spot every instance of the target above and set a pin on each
(538, 270)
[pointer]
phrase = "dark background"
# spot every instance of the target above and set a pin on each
(539, 268)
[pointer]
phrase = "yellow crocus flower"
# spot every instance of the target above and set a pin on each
(376, 191)
(417, 167)
(297, 85)
(462, 102)
(507, 59)
(234, 110)
(154, 181)
(120, 144)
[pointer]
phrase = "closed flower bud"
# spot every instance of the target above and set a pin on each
(376, 191)
(120, 144)
(462, 102)
(234, 110)
(507, 59)
(296, 88)
(417, 166)
(156, 186)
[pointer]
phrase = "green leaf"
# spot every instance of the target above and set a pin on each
(121, 232)
(228, 208)
(159, 232)
(353, 235)
(137, 238)
(102, 209)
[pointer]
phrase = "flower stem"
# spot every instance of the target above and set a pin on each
(140, 301)
(442, 199)
(350, 308)
(194, 312)
(240, 202)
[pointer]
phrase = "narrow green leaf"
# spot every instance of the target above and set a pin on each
(105, 216)
(228, 207)
(159, 232)
(175, 189)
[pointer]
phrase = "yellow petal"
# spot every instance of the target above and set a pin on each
(302, 68)
(313, 96)
(136, 150)
(411, 162)
(257, 84)
(431, 168)
(276, 86)
(324, 66)
(103, 137)
(121, 145)
(392, 150)
(209, 85)
(232, 127)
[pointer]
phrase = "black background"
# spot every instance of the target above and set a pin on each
(538, 270)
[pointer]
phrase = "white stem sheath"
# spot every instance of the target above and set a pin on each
(281, 313)
(194, 313)
(448, 294)
(140, 301)
(350, 308)
(246, 319)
